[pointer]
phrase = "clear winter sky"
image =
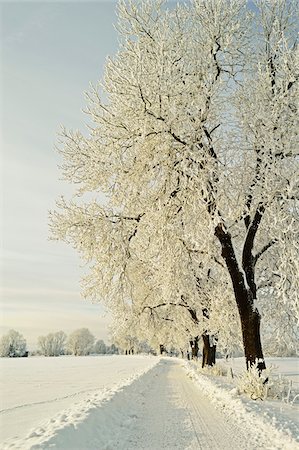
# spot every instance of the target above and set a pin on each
(50, 51)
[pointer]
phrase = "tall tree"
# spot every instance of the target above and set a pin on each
(194, 149)
(260, 242)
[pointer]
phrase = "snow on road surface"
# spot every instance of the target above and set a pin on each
(275, 423)
(162, 409)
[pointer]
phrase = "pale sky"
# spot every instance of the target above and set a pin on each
(49, 54)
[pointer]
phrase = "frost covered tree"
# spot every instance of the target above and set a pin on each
(112, 350)
(53, 344)
(12, 345)
(193, 146)
(100, 347)
(258, 230)
(80, 342)
(126, 331)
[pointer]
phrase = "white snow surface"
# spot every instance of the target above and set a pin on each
(287, 367)
(276, 423)
(37, 390)
(132, 402)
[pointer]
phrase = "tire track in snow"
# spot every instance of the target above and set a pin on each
(211, 428)
(161, 410)
(195, 424)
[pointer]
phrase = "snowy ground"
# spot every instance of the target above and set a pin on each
(139, 402)
(287, 367)
(276, 422)
(34, 390)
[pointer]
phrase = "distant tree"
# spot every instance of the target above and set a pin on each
(80, 342)
(12, 345)
(53, 344)
(112, 350)
(100, 347)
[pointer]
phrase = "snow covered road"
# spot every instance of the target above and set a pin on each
(174, 414)
(162, 409)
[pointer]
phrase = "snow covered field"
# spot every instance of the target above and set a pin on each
(33, 390)
(135, 402)
(287, 367)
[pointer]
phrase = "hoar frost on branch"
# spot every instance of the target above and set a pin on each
(195, 152)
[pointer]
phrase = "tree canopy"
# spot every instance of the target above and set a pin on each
(193, 146)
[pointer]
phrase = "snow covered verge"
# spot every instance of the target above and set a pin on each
(275, 423)
(54, 415)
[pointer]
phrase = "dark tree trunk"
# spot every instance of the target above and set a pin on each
(205, 350)
(212, 356)
(250, 321)
(209, 351)
(244, 294)
(194, 347)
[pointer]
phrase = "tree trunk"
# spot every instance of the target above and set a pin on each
(194, 347)
(212, 355)
(209, 352)
(245, 295)
(250, 321)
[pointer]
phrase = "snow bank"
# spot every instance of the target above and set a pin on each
(287, 367)
(72, 388)
(272, 424)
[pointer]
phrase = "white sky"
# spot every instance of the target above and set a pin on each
(49, 54)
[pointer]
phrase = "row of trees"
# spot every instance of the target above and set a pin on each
(194, 146)
(80, 342)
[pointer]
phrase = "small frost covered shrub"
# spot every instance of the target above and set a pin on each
(252, 383)
(217, 370)
(280, 388)
(261, 386)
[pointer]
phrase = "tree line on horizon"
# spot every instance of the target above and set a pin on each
(80, 342)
